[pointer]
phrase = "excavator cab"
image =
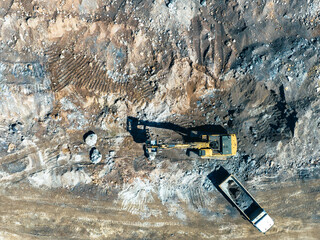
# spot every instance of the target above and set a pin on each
(219, 145)
(151, 146)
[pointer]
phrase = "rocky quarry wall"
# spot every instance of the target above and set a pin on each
(68, 67)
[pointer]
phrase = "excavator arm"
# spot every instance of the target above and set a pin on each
(196, 145)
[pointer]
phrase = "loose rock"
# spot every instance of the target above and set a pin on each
(90, 138)
(95, 155)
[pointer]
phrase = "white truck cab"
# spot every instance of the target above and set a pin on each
(263, 223)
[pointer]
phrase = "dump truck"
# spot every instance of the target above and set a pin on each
(208, 146)
(233, 190)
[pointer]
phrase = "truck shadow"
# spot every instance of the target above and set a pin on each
(138, 130)
(218, 175)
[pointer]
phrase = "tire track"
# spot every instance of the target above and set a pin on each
(84, 72)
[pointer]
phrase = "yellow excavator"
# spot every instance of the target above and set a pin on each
(209, 146)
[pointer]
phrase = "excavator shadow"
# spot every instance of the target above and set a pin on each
(139, 131)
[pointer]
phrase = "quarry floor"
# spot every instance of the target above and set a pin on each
(31, 213)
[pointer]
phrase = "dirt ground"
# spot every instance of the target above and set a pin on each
(178, 68)
(39, 214)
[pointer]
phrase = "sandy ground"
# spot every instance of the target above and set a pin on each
(38, 214)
